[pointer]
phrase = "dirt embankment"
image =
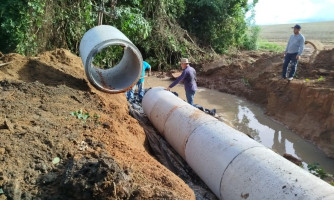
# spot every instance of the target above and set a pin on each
(47, 153)
(305, 104)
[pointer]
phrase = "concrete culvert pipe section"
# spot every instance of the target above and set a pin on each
(119, 78)
(232, 165)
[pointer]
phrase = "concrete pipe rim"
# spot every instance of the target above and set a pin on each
(100, 47)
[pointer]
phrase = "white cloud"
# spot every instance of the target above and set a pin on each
(293, 11)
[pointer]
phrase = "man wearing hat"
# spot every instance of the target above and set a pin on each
(292, 53)
(189, 77)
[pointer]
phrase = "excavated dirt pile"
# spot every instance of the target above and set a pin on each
(60, 138)
(305, 104)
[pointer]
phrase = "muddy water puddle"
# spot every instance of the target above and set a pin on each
(251, 119)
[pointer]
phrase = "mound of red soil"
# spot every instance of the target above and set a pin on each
(60, 138)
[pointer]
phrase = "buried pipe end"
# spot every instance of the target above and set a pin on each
(120, 77)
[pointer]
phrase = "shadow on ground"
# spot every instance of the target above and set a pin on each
(35, 70)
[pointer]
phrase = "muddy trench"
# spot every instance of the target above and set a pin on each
(252, 120)
(304, 105)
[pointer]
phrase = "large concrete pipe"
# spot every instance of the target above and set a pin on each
(229, 162)
(120, 77)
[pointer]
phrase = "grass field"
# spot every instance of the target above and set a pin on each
(322, 31)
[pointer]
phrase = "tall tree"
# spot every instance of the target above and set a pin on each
(218, 23)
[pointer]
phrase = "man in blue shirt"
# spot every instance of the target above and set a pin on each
(189, 77)
(140, 84)
(293, 51)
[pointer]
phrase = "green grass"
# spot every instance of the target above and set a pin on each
(265, 45)
(81, 115)
(322, 31)
(316, 170)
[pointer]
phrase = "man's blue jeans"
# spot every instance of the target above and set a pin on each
(190, 97)
(290, 57)
(130, 93)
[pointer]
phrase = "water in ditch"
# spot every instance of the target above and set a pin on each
(250, 118)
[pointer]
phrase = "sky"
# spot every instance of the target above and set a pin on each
(293, 11)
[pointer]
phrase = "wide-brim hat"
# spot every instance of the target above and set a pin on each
(185, 60)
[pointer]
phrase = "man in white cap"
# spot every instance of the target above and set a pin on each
(293, 51)
(189, 77)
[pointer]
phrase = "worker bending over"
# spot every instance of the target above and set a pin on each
(189, 77)
(139, 85)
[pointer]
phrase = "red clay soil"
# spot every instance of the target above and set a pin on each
(47, 153)
(305, 104)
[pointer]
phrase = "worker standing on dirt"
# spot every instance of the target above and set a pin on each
(293, 51)
(189, 77)
(139, 85)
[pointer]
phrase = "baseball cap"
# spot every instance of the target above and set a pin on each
(297, 26)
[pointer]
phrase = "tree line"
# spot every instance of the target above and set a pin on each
(164, 30)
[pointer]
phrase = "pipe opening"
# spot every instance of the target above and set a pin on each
(114, 78)
(112, 62)
(108, 57)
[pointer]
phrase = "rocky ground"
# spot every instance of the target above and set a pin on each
(60, 138)
(305, 104)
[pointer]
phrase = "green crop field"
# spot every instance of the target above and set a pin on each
(322, 31)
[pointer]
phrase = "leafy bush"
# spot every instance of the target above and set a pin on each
(30, 27)
(250, 41)
(132, 23)
(81, 115)
(218, 23)
(316, 170)
(20, 23)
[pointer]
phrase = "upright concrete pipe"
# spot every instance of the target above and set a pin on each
(122, 76)
(230, 163)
